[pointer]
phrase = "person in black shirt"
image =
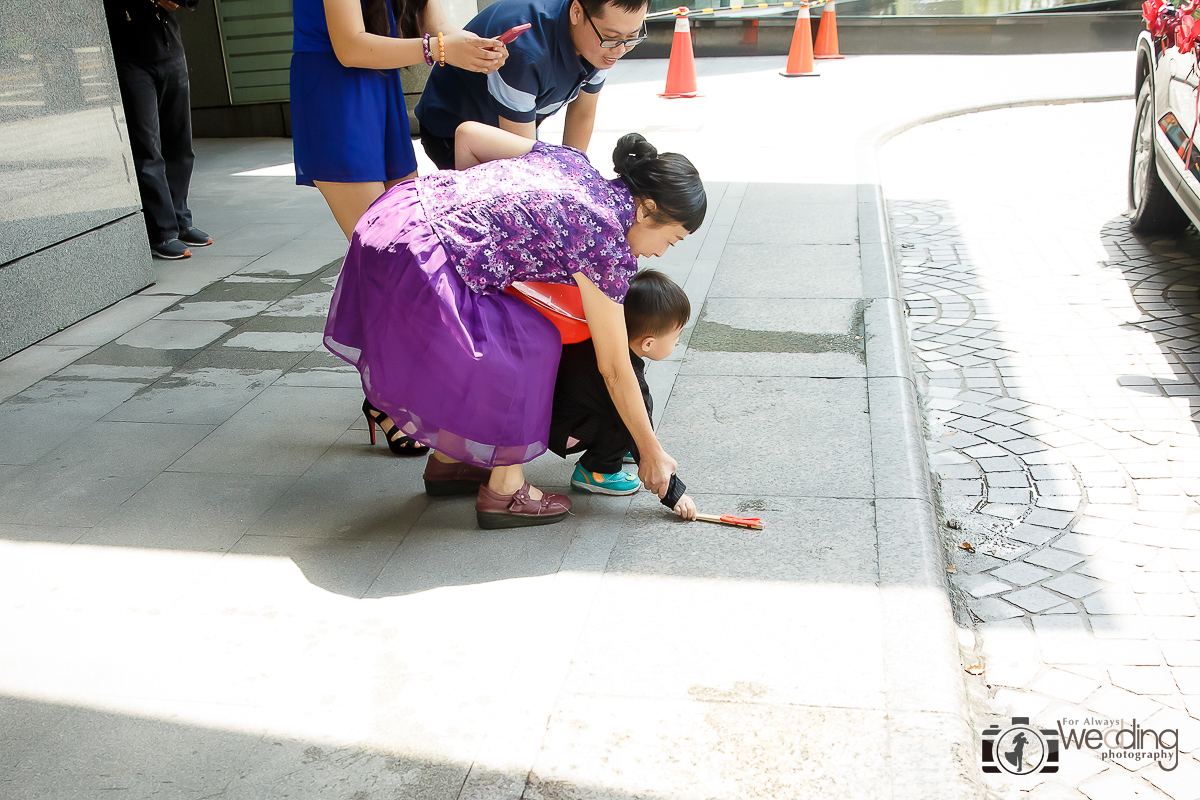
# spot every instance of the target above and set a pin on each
(152, 74)
(584, 417)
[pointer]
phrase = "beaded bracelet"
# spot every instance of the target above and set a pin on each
(441, 50)
(428, 54)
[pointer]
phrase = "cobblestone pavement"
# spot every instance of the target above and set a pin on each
(1059, 356)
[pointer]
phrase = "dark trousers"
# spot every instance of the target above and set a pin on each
(604, 440)
(584, 410)
(439, 149)
(158, 114)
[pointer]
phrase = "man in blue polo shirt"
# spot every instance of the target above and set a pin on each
(561, 60)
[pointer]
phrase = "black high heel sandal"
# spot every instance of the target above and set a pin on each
(398, 443)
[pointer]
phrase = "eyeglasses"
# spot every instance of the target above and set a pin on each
(609, 44)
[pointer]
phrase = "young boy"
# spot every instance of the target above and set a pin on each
(584, 416)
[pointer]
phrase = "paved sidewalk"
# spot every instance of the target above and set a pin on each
(1058, 354)
(210, 581)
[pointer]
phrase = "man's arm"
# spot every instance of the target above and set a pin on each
(526, 129)
(513, 90)
(581, 118)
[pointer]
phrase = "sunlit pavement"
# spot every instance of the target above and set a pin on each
(1058, 356)
(210, 584)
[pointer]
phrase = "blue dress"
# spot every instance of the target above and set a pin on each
(349, 125)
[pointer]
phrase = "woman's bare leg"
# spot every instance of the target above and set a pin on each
(506, 480)
(349, 201)
(389, 184)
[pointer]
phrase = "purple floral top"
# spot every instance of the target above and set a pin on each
(541, 217)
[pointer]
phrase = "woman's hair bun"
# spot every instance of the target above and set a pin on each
(669, 182)
(632, 149)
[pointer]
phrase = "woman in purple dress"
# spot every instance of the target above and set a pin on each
(459, 365)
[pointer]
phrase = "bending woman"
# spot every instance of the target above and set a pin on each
(350, 134)
(461, 366)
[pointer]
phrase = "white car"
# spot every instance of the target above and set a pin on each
(1164, 161)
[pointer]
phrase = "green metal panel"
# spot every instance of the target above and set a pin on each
(256, 36)
(257, 63)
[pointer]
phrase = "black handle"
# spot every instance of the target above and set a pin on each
(675, 491)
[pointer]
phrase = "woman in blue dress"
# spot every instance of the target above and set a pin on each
(350, 135)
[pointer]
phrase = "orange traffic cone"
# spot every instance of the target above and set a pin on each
(827, 43)
(681, 71)
(750, 34)
(800, 55)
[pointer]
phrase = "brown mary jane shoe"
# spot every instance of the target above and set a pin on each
(518, 509)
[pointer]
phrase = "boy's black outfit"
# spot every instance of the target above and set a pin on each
(584, 410)
(153, 77)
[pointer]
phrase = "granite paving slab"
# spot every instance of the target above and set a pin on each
(445, 548)
(256, 239)
(154, 756)
(814, 271)
(158, 334)
(820, 442)
(189, 511)
(39, 419)
(352, 492)
(771, 223)
(252, 441)
(200, 396)
(104, 326)
(88, 476)
(23, 369)
(191, 275)
(724, 742)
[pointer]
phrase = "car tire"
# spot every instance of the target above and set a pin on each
(1152, 209)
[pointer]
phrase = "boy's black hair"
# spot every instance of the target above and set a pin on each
(655, 305)
(596, 7)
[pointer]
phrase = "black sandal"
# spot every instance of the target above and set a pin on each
(398, 443)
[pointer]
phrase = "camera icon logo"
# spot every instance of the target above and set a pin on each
(1020, 749)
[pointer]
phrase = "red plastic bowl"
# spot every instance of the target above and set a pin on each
(559, 303)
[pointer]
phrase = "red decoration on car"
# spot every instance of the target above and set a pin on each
(1171, 25)
(1150, 13)
(1185, 37)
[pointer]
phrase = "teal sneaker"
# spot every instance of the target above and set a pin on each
(615, 483)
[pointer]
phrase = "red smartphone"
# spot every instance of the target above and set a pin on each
(514, 32)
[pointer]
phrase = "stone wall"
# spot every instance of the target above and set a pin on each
(72, 239)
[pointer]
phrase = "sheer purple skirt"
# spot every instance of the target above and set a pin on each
(471, 375)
